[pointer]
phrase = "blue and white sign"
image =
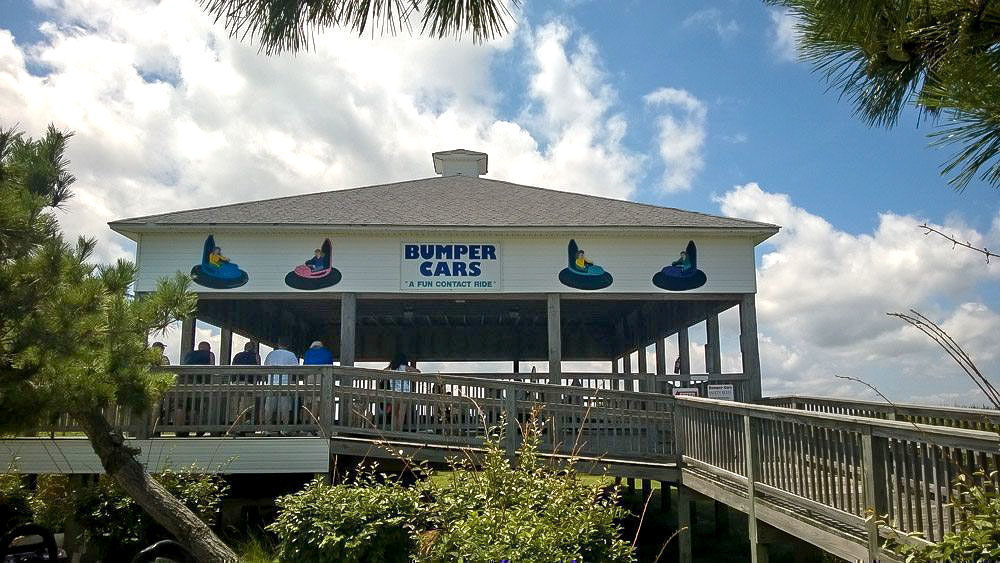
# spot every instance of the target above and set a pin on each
(450, 267)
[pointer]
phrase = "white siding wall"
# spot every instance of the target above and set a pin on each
(530, 264)
(214, 455)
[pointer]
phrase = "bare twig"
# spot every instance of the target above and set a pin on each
(955, 242)
(666, 543)
(642, 517)
(953, 349)
(895, 409)
(870, 386)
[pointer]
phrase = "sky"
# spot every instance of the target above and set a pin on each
(700, 105)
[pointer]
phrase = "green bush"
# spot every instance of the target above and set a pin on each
(44, 505)
(118, 525)
(528, 511)
(531, 511)
(976, 536)
(366, 520)
(15, 507)
(49, 500)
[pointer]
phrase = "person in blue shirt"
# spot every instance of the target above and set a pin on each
(317, 262)
(317, 354)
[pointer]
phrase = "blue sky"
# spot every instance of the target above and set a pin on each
(791, 134)
(696, 105)
(773, 120)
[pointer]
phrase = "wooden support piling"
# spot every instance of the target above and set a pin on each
(554, 319)
(684, 524)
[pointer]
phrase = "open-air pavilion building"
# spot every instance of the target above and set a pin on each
(457, 267)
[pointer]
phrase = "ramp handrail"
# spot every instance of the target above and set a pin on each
(975, 419)
(837, 465)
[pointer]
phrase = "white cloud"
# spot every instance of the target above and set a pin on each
(170, 113)
(713, 19)
(784, 35)
(682, 128)
(823, 295)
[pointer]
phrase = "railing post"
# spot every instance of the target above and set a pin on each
(680, 419)
(873, 471)
(326, 402)
(510, 410)
(758, 551)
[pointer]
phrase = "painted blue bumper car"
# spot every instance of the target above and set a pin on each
(216, 271)
(581, 273)
(682, 274)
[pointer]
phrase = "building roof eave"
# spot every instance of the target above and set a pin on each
(758, 232)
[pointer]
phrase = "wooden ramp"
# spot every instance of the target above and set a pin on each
(812, 467)
(366, 448)
(821, 475)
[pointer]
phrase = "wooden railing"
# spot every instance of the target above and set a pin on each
(447, 409)
(837, 465)
(974, 419)
(641, 382)
(457, 409)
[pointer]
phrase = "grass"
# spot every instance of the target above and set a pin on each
(257, 549)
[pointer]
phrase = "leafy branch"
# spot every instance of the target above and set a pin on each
(279, 26)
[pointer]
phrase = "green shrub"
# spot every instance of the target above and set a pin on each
(45, 504)
(533, 511)
(49, 501)
(15, 507)
(366, 520)
(976, 535)
(118, 525)
(528, 511)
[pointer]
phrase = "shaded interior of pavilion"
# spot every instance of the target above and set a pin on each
(516, 329)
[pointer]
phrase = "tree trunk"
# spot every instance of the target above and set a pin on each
(119, 462)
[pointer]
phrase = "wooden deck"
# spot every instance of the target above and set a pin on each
(812, 467)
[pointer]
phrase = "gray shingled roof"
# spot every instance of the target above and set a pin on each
(449, 201)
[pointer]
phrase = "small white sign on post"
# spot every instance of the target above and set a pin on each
(685, 391)
(722, 392)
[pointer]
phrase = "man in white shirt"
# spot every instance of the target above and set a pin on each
(280, 356)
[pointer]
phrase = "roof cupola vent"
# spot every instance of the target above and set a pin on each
(460, 162)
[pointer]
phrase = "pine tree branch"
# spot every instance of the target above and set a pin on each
(955, 242)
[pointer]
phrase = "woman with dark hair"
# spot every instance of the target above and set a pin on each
(398, 361)
(400, 364)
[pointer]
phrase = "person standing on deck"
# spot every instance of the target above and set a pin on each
(203, 356)
(248, 357)
(191, 410)
(317, 355)
(164, 360)
(280, 356)
(400, 364)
